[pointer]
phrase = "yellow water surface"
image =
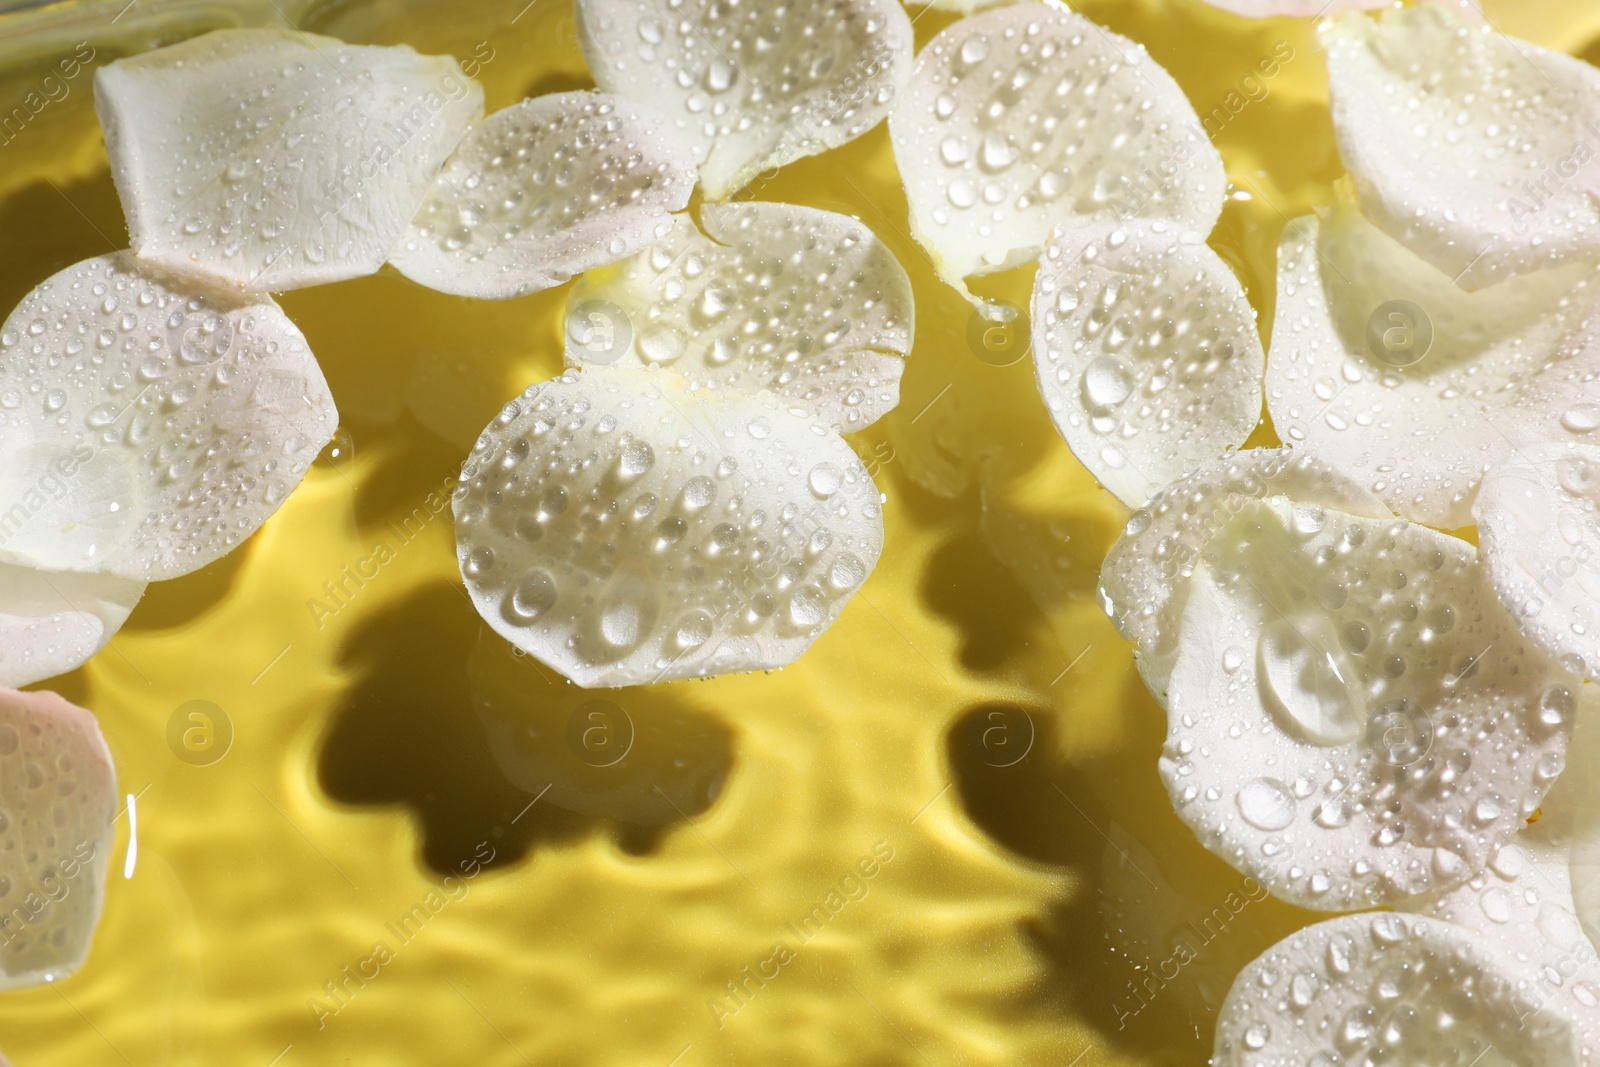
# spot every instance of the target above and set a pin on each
(939, 838)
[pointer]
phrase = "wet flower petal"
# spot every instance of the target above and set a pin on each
(52, 621)
(1473, 149)
(1413, 386)
(265, 159)
(805, 303)
(626, 530)
(545, 190)
(150, 426)
(1539, 528)
(58, 797)
(1146, 352)
(749, 86)
(1352, 718)
(1144, 580)
(1382, 987)
(1027, 116)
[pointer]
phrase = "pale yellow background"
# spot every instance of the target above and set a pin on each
(1019, 900)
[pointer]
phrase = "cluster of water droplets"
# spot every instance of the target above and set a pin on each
(1471, 148)
(1145, 571)
(57, 798)
(1374, 725)
(268, 160)
(153, 426)
(1517, 363)
(1021, 117)
(544, 190)
(1146, 352)
(626, 532)
(752, 85)
(802, 302)
(1378, 989)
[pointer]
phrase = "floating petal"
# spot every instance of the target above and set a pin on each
(1027, 116)
(1146, 352)
(52, 621)
(805, 303)
(1387, 988)
(1353, 719)
(265, 159)
(625, 530)
(750, 86)
(545, 190)
(1412, 386)
(58, 797)
(1144, 580)
(150, 426)
(1473, 149)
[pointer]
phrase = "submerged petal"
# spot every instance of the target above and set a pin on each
(1027, 116)
(1146, 352)
(1352, 718)
(625, 530)
(544, 190)
(150, 426)
(52, 621)
(266, 159)
(58, 797)
(806, 303)
(1473, 149)
(750, 86)
(1412, 386)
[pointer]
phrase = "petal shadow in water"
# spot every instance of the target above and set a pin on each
(480, 744)
(1147, 939)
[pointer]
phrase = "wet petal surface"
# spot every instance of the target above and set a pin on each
(151, 426)
(1473, 149)
(1146, 352)
(52, 621)
(1027, 116)
(749, 86)
(269, 159)
(1387, 988)
(1353, 719)
(1144, 580)
(1413, 386)
(805, 303)
(58, 796)
(625, 530)
(545, 190)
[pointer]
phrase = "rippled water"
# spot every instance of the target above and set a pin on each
(368, 833)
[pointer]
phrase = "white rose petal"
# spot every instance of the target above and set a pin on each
(51, 622)
(150, 426)
(1144, 580)
(1539, 528)
(626, 530)
(266, 159)
(545, 190)
(1146, 352)
(750, 86)
(1027, 116)
(806, 303)
(1352, 718)
(1473, 149)
(1387, 988)
(1413, 386)
(58, 796)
